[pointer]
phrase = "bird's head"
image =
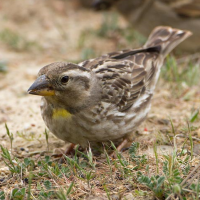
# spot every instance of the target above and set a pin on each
(67, 85)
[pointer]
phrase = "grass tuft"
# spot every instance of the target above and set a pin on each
(83, 173)
(180, 75)
(16, 41)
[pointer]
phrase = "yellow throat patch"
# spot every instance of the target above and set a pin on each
(61, 113)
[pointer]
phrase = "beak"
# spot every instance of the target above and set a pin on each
(41, 87)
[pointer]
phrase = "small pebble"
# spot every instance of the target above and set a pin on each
(163, 121)
(27, 126)
(22, 149)
(115, 197)
(4, 170)
(128, 196)
(2, 179)
(130, 166)
(26, 180)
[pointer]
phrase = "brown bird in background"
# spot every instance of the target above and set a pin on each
(106, 98)
(144, 15)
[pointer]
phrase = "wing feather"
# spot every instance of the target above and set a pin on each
(123, 75)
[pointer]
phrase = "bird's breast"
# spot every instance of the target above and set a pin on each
(61, 113)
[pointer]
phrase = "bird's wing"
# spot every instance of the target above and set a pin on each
(125, 54)
(123, 75)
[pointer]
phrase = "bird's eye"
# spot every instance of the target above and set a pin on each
(64, 79)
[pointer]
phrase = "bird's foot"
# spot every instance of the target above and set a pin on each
(70, 149)
(119, 148)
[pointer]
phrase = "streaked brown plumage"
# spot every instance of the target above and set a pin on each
(105, 98)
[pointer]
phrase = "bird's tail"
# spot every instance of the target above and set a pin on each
(166, 39)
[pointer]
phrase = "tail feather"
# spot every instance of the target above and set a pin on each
(166, 38)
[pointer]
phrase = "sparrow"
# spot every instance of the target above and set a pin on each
(105, 98)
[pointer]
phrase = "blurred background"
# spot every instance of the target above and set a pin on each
(34, 33)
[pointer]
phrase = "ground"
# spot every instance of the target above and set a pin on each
(35, 33)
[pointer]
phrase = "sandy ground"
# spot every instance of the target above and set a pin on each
(53, 30)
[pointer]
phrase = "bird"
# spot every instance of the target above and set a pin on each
(105, 98)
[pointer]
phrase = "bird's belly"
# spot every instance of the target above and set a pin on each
(114, 125)
(67, 130)
(85, 127)
(78, 131)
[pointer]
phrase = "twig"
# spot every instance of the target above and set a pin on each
(38, 152)
(191, 180)
(188, 58)
(184, 136)
(143, 10)
(190, 174)
(169, 196)
(187, 190)
(178, 4)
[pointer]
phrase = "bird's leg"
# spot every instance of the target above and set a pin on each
(120, 147)
(70, 149)
(60, 152)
